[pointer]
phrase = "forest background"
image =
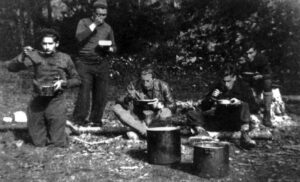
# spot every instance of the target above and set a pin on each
(183, 38)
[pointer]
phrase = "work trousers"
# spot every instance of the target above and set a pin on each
(261, 85)
(221, 118)
(95, 79)
(47, 121)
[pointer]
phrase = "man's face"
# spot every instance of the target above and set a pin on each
(100, 15)
(251, 53)
(147, 81)
(229, 81)
(49, 45)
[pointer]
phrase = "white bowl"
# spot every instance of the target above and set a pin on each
(224, 101)
(105, 42)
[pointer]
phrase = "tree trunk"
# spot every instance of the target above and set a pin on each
(20, 26)
(49, 8)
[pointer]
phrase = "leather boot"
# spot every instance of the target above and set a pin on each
(245, 141)
(267, 106)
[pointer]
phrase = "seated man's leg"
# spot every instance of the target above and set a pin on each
(244, 112)
(195, 120)
(268, 96)
(232, 118)
(164, 113)
(129, 119)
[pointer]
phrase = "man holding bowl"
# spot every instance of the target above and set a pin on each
(96, 41)
(54, 72)
(146, 99)
(227, 107)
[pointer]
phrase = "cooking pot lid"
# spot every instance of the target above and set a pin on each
(164, 128)
(211, 145)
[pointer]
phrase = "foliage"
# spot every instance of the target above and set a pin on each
(196, 37)
(218, 34)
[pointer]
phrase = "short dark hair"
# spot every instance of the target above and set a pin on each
(250, 45)
(49, 32)
(148, 69)
(100, 4)
(229, 70)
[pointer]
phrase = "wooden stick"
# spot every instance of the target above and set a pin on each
(97, 142)
(255, 134)
(13, 126)
(291, 98)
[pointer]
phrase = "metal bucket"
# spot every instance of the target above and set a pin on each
(211, 159)
(164, 145)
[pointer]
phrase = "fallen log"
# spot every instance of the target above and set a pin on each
(254, 134)
(96, 130)
(13, 126)
(96, 142)
(291, 98)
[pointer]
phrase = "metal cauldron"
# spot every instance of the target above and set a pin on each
(211, 159)
(164, 145)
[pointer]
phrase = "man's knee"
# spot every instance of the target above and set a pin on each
(118, 109)
(195, 118)
(165, 113)
(244, 112)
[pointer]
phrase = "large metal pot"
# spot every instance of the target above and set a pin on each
(164, 146)
(211, 159)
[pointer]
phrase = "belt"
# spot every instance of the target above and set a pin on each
(97, 60)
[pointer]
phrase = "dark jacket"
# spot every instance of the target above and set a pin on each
(47, 68)
(260, 64)
(88, 40)
(160, 90)
(240, 90)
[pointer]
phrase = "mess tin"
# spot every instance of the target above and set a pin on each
(224, 101)
(47, 91)
(105, 43)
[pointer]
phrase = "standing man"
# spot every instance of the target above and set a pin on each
(134, 112)
(53, 72)
(92, 65)
(258, 73)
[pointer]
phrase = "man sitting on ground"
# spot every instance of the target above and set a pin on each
(134, 110)
(227, 107)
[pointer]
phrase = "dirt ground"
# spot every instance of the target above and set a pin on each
(120, 159)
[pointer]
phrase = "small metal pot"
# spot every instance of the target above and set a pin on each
(211, 159)
(164, 145)
(47, 91)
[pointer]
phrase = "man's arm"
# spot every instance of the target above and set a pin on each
(73, 79)
(169, 101)
(84, 30)
(263, 66)
(209, 100)
(20, 62)
(112, 38)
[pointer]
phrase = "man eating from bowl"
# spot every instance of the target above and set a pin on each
(96, 41)
(147, 98)
(261, 80)
(227, 106)
(53, 69)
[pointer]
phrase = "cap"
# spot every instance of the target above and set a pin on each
(100, 4)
